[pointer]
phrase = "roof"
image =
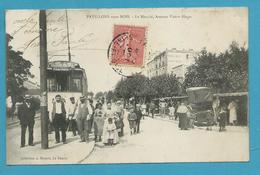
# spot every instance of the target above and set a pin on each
(232, 94)
(174, 97)
(197, 88)
(63, 65)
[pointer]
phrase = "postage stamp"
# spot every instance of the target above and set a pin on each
(127, 47)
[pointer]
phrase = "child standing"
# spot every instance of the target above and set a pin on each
(110, 133)
(132, 120)
(172, 111)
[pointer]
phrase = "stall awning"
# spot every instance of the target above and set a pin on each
(168, 98)
(232, 94)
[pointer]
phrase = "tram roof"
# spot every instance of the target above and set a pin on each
(63, 66)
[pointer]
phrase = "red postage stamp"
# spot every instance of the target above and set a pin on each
(127, 47)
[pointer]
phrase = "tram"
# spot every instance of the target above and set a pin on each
(67, 79)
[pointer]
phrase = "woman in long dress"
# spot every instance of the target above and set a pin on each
(232, 107)
(98, 122)
(182, 114)
(215, 107)
(222, 118)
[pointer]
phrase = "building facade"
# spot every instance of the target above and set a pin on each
(170, 62)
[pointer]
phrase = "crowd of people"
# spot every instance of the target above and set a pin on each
(82, 118)
(106, 123)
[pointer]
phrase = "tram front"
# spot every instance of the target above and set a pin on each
(67, 79)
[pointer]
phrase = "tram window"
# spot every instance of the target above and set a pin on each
(59, 82)
(62, 82)
(51, 84)
(76, 85)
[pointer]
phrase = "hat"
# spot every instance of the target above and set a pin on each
(58, 95)
(72, 98)
(118, 102)
(27, 97)
(138, 105)
(83, 97)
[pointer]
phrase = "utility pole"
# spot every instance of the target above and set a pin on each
(43, 79)
(68, 35)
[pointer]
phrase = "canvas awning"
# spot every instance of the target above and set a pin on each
(199, 94)
(232, 94)
(168, 98)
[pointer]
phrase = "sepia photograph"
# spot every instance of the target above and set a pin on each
(127, 85)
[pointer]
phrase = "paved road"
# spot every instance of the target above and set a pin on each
(162, 141)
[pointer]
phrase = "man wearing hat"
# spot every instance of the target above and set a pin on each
(139, 115)
(26, 114)
(83, 120)
(119, 123)
(72, 114)
(59, 119)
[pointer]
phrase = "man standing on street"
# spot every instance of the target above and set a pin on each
(59, 119)
(152, 108)
(72, 114)
(26, 114)
(82, 120)
(139, 114)
(120, 123)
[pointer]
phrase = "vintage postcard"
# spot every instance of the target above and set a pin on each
(133, 85)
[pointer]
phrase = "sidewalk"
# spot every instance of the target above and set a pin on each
(73, 152)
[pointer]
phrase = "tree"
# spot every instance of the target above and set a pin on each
(225, 72)
(165, 86)
(18, 71)
(122, 89)
(142, 88)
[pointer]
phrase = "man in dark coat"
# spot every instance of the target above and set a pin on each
(59, 119)
(120, 121)
(139, 114)
(152, 108)
(26, 114)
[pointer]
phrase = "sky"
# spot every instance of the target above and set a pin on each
(91, 32)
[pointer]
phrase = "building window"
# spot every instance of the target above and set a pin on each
(187, 56)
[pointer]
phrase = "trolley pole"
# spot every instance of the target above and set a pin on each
(43, 79)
